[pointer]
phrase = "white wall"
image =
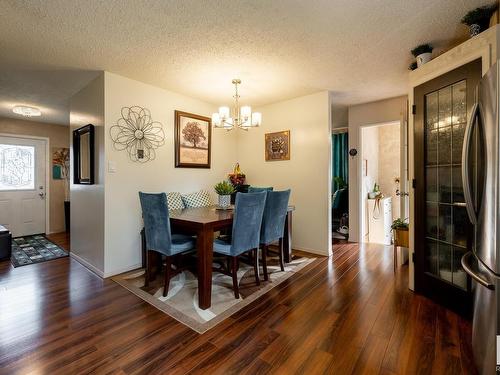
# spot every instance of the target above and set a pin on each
(389, 166)
(87, 201)
(123, 214)
(379, 112)
(370, 152)
(306, 173)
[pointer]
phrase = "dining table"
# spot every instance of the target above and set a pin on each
(204, 222)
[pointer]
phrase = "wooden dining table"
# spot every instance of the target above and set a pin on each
(203, 222)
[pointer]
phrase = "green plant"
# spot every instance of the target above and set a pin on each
(224, 188)
(423, 48)
(399, 224)
(376, 188)
(339, 181)
(479, 16)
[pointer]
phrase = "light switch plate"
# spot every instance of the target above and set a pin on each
(111, 166)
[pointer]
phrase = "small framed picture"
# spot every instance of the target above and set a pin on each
(277, 146)
(193, 138)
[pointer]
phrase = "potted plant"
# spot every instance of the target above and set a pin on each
(339, 182)
(422, 54)
(375, 192)
(478, 19)
(400, 229)
(224, 189)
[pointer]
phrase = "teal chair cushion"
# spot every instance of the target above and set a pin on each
(181, 243)
(222, 247)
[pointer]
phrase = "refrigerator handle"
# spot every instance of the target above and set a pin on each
(465, 165)
(466, 258)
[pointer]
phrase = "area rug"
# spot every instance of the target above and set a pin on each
(181, 303)
(34, 249)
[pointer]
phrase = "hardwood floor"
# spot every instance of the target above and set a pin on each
(347, 314)
(61, 239)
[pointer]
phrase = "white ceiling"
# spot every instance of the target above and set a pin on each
(358, 49)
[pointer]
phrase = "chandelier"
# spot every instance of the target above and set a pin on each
(241, 117)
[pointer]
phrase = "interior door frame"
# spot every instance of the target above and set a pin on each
(47, 172)
(428, 287)
(402, 168)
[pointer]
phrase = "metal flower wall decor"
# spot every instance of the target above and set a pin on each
(137, 133)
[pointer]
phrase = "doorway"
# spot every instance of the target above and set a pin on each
(340, 190)
(23, 185)
(379, 198)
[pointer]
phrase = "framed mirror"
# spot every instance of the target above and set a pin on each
(83, 155)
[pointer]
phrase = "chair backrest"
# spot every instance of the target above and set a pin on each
(247, 220)
(255, 189)
(273, 221)
(156, 222)
(341, 200)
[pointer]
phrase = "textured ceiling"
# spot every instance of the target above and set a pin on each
(358, 49)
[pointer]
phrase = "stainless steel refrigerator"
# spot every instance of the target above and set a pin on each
(481, 180)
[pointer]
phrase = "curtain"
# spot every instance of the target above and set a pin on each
(340, 142)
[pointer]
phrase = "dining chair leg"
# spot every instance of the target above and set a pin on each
(281, 249)
(264, 262)
(148, 272)
(256, 265)
(168, 271)
(234, 274)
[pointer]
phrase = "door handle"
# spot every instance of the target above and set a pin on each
(465, 166)
(466, 258)
(41, 194)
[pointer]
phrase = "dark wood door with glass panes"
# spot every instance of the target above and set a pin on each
(443, 231)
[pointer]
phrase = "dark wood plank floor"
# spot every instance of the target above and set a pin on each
(347, 314)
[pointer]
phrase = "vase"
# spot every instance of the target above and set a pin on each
(225, 201)
(474, 29)
(423, 58)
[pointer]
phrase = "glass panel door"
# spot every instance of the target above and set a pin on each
(445, 118)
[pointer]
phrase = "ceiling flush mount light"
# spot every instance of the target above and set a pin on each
(241, 117)
(26, 111)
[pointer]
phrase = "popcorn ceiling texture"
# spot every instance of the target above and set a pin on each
(358, 49)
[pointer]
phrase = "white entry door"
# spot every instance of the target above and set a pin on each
(22, 185)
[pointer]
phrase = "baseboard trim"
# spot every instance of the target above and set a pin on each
(86, 264)
(123, 270)
(312, 251)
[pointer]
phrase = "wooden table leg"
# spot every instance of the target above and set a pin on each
(204, 243)
(287, 238)
(395, 256)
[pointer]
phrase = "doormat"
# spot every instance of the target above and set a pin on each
(34, 249)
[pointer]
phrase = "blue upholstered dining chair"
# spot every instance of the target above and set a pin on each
(247, 220)
(273, 225)
(255, 189)
(158, 235)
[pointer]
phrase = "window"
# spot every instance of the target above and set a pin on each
(17, 167)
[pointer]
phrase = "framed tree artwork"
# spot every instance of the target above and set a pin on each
(277, 146)
(193, 138)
